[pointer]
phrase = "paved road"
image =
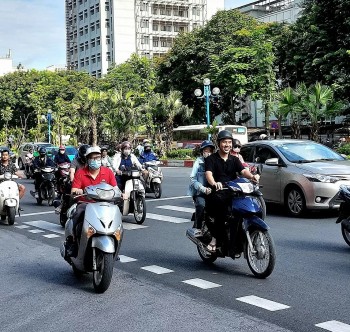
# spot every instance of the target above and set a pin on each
(161, 284)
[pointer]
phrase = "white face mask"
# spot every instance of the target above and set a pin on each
(236, 150)
(126, 152)
(206, 154)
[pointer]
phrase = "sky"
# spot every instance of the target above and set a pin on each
(34, 30)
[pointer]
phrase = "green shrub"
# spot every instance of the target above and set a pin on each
(345, 149)
(180, 154)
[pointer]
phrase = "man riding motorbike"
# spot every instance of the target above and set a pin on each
(61, 157)
(124, 161)
(7, 166)
(92, 174)
(220, 168)
(146, 156)
(79, 162)
(39, 162)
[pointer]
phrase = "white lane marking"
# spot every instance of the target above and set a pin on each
(34, 231)
(51, 236)
(166, 198)
(36, 213)
(262, 303)
(126, 259)
(129, 226)
(22, 226)
(161, 217)
(200, 283)
(156, 269)
(334, 326)
(175, 208)
(46, 225)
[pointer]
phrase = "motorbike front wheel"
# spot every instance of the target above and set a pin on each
(346, 235)
(103, 275)
(157, 188)
(139, 209)
(261, 260)
(11, 213)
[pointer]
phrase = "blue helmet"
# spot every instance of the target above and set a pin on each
(206, 144)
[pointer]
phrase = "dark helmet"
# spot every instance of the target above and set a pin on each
(236, 142)
(206, 144)
(42, 151)
(224, 134)
(82, 151)
(103, 148)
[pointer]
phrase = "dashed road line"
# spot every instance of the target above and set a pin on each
(201, 283)
(35, 231)
(129, 226)
(262, 303)
(334, 326)
(48, 226)
(156, 269)
(51, 236)
(161, 217)
(36, 213)
(175, 208)
(22, 226)
(166, 198)
(126, 259)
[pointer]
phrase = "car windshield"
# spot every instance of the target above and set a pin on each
(307, 152)
(71, 150)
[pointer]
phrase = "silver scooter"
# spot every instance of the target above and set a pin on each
(101, 235)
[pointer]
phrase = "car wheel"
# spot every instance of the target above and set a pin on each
(295, 202)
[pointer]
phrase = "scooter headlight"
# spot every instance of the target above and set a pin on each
(7, 176)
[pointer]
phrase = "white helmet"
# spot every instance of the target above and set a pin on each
(93, 149)
(263, 136)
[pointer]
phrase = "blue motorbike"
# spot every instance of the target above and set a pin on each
(245, 231)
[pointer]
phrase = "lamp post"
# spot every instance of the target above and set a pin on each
(49, 112)
(207, 94)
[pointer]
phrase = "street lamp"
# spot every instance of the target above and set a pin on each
(49, 112)
(207, 94)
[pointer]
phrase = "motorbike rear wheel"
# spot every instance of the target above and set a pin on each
(140, 209)
(346, 235)
(261, 261)
(206, 256)
(11, 213)
(103, 275)
(157, 189)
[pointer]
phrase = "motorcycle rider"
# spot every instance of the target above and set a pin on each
(29, 158)
(7, 166)
(124, 161)
(61, 157)
(106, 160)
(221, 167)
(147, 155)
(79, 162)
(236, 149)
(93, 173)
(198, 187)
(39, 162)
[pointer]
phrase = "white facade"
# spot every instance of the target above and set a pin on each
(100, 33)
(6, 66)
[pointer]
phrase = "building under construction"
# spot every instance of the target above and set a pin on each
(100, 33)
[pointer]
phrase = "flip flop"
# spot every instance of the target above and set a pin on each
(211, 248)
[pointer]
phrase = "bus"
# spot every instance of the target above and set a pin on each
(189, 136)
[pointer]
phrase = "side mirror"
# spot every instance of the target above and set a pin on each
(272, 162)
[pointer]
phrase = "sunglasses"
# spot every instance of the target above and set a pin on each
(237, 146)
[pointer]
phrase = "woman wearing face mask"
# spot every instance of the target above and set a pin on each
(236, 149)
(198, 187)
(124, 161)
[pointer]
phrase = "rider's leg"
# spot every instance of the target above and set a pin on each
(199, 203)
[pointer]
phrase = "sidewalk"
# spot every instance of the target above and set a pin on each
(177, 163)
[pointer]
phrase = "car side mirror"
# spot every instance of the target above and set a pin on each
(272, 162)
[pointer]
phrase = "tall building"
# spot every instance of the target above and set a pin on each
(6, 64)
(273, 10)
(100, 33)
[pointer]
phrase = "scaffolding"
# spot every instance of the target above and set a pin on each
(158, 22)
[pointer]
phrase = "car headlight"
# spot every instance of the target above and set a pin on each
(321, 178)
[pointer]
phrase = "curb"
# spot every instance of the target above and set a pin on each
(178, 163)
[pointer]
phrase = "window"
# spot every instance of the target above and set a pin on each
(85, 13)
(165, 28)
(81, 47)
(93, 42)
(107, 6)
(86, 45)
(81, 62)
(98, 57)
(98, 73)
(97, 8)
(92, 26)
(81, 31)
(145, 40)
(108, 40)
(247, 153)
(155, 10)
(93, 58)
(196, 11)
(155, 27)
(86, 61)
(94, 73)
(98, 41)
(92, 10)
(86, 29)
(97, 24)
(144, 7)
(107, 23)
(81, 16)
(144, 24)
(108, 56)
(155, 43)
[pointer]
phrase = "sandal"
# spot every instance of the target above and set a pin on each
(211, 247)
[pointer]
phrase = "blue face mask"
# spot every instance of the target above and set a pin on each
(94, 164)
